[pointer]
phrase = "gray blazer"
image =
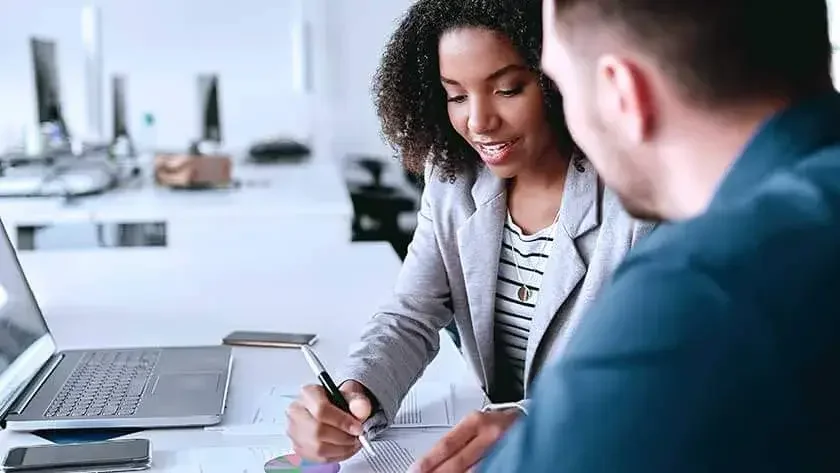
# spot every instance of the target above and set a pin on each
(451, 268)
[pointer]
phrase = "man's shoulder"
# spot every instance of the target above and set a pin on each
(787, 226)
(821, 169)
(614, 214)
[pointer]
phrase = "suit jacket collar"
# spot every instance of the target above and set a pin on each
(479, 245)
(781, 140)
(487, 187)
(579, 213)
(480, 240)
(580, 208)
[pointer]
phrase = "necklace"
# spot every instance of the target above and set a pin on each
(525, 293)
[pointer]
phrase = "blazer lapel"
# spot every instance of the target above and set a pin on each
(579, 213)
(479, 244)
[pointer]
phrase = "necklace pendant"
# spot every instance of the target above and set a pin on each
(524, 293)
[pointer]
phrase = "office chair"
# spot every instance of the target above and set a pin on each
(377, 207)
(384, 204)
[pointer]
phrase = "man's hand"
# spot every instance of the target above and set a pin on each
(465, 445)
(320, 431)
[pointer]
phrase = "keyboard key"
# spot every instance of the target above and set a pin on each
(102, 382)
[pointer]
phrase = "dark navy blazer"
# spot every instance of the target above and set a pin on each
(716, 347)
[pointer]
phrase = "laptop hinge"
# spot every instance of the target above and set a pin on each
(32, 389)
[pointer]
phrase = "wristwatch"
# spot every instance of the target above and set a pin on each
(503, 406)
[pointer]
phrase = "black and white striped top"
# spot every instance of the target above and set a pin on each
(513, 316)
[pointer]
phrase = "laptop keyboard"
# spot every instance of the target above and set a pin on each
(106, 383)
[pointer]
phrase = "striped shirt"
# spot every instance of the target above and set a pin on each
(513, 316)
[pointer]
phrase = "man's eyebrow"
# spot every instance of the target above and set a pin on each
(495, 75)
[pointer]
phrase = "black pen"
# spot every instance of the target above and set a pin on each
(332, 390)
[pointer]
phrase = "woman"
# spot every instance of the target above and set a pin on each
(515, 234)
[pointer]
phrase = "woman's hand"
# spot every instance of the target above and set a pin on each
(321, 432)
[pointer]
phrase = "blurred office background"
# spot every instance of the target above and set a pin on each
(216, 160)
(287, 72)
(284, 73)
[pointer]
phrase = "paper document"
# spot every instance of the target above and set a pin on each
(395, 453)
(391, 457)
(245, 459)
(264, 415)
(426, 405)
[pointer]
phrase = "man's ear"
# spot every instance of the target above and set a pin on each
(624, 98)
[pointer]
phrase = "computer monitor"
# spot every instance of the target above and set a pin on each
(47, 86)
(209, 113)
(121, 134)
(118, 84)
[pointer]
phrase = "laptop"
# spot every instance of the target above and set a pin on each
(42, 388)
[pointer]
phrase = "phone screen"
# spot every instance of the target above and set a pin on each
(93, 453)
(270, 338)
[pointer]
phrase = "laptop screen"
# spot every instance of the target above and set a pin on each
(25, 343)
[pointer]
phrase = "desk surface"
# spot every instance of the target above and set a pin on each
(269, 189)
(308, 289)
(164, 297)
(281, 205)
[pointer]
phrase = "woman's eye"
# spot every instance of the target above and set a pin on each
(510, 92)
(456, 99)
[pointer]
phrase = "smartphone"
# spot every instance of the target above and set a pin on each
(110, 456)
(269, 339)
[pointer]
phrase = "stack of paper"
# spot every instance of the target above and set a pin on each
(426, 405)
(244, 459)
(264, 415)
(395, 453)
(392, 455)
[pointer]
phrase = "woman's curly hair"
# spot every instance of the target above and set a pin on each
(409, 98)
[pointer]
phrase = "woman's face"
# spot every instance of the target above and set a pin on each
(494, 100)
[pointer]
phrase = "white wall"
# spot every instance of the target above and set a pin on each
(360, 29)
(162, 45)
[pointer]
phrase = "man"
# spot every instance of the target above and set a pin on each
(716, 346)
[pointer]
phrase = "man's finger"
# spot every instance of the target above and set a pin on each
(315, 400)
(467, 457)
(453, 442)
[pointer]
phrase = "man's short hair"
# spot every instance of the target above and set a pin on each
(721, 52)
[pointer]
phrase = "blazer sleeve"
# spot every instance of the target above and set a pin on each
(403, 337)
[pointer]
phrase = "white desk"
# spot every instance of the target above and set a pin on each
(285, 204)
(153, 297)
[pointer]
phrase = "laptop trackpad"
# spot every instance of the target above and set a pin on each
(174, 383)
